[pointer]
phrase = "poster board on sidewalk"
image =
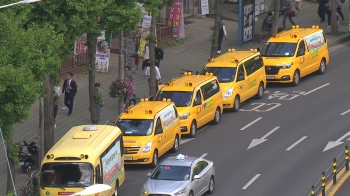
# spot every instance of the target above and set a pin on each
(204, 7)
(175, 16)
(246, 21)
(103, 52)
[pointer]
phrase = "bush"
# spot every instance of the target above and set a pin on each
(121, 88)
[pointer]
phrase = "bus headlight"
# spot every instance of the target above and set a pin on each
(147, 148)
(228, 93)
(286, 66)
(184, 116)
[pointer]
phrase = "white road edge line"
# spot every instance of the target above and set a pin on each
(183, 141)
(248, 125)
(347, 111)
(296, 143)
(315, 89)
(203, 155)
(251, 181)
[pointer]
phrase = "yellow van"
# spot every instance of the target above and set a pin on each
(150, 129)
(293, 54)
(241, 75)
(197, 98)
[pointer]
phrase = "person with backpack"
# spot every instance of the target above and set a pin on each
(159, 53)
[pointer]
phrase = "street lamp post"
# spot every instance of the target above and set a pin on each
(19, 2)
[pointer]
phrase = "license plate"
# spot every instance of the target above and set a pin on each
(21, 163)
(270, 77)
(128, 158)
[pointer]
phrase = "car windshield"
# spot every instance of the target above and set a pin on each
(272, 49)
(135, 127)
(180, 98)
(224, 74)
(171, 172)
(66, 175)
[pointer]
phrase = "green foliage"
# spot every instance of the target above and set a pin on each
(10, 194)
(13, 154)
(172, 43)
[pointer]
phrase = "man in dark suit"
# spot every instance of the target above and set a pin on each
(69, 89)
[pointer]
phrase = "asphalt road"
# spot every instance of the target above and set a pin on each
(296, 123)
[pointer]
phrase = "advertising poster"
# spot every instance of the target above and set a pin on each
(168, 117)
(204, 7)
(80, 45)
(175, 16)
(146, 24)
(102, 53)
(248, 20)
(314, 42)
(112, 165)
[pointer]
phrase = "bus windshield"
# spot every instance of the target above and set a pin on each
(135, 127)
(66, 175)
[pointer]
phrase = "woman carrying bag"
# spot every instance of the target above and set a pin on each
(288, 11)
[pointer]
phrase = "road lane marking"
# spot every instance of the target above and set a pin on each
(182, 141)
(202, 129)
(315, 89)
(347, 111)
(296, 143)
(256, 142)
(248, 125)
(203, 155)
(251, 181)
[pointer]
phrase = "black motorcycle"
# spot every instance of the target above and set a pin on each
(29, 158)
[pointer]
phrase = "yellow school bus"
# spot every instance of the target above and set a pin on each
(85, 155)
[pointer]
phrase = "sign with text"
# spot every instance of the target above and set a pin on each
(205, 7)
(175, 16)
(102, 53)
(80, 45)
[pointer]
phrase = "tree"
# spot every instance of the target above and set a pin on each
(276, 9)
(216, 29)
(25, 56)
(334, 18)
(154, 7)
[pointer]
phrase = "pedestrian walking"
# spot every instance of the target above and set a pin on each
(146, 62)
(340, 5)
(322, 9)
(287, 12)
(159, 53)
(158, 76)
(58, 91)
(128, 74)
(56, 102)
(329, 12)
(99, 100)
(267, 23)
(222, 33)
(69, 89)
(298, 6)
(136, 55)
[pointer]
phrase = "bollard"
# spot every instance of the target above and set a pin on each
(313, 190)
(346, 158)
(323, 178)
(334, 171)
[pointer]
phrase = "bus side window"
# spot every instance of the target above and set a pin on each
(98, 175)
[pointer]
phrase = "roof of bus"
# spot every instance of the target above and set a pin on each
(231, 58)
(145, 109)
(187, 82)
(293, 35)
(91, 140)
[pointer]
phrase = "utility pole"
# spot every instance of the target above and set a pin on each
(121, 71)
(40, 130)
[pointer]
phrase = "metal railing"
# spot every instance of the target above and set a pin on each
(77, 62)
(329, 176)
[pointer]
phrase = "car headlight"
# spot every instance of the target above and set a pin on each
(181, 193)
(286, 66)
(228, 93)
(147, 148)
(143, 192)
(184, 116)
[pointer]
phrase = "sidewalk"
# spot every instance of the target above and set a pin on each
(192, 55)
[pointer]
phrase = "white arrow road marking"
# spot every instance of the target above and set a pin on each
(251, 181)
(182, 141)
(248, 125)
(332, 144)
(256, 142)
(203, 155)
(347, 111)
(315, 89)
(296, 143)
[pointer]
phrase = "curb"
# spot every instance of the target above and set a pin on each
(343, 176)
(345, 38)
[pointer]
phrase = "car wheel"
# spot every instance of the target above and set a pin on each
(211, 185)
(154, 159)
(176, 144)
(322, 68)
(260, 93)
(296, 78)
(191, 194)
(236, 104)
(193, 129)
(217, 116)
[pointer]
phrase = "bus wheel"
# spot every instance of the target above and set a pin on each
(154, 159)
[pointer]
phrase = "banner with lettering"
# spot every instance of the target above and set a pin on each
(102, 53)
(175, 16)
(80, 45)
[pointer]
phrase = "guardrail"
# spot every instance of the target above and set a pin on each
(164, 33)
(76, 64)
(329, 176)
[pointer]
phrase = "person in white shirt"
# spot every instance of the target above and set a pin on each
(222, 33)
(158, 77)
(146, 55)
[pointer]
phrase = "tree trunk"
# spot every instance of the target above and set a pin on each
(334, 21)
(276, 9)
(121, 70)
(92, 42)
(48, 114)
(9, 143)
(216, 29)
(152, 40)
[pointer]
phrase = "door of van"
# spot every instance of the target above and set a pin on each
(304, 59)
(209, 92)
(160, 137)
(198, 107)
(242, 81)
